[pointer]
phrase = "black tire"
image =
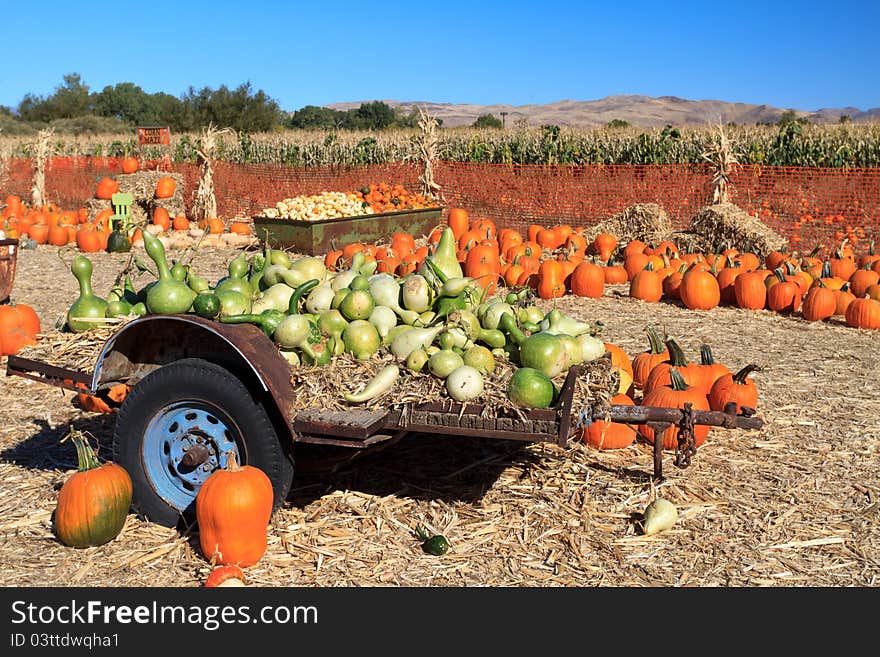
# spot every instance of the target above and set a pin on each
(214, 390)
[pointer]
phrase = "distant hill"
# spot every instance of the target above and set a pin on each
(643, 111)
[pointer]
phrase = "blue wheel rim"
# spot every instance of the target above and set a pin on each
(173, 431)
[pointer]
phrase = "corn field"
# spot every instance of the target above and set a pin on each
(844, 145)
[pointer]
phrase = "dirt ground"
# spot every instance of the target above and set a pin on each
(796, 503)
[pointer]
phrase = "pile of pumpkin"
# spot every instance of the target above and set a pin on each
(560, 260)
(818, 289)
(370, 199)
(51, 225)
(663, 376)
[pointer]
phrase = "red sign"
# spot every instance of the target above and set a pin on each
(154, 136)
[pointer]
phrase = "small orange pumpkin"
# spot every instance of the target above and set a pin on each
(165, 187)
(93, 504)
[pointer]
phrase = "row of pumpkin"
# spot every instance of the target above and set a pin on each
(51, 225)
(561, 260)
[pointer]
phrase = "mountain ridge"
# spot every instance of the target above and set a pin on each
(636, 109)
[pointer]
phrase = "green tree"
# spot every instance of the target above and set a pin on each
(128, 102)
(487, 121)
(617, 123)
(375, 115)
(241, 109)
(71, 99)
(312, 117)
(788, 116)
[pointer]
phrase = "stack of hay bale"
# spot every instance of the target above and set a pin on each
(142, 187)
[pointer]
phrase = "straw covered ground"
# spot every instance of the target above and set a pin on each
(793, 504)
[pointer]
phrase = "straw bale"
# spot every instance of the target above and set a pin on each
(727, 225)
(142, 187)
(647, 222)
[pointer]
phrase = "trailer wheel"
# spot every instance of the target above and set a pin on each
(177, 425)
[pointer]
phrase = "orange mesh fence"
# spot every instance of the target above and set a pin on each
(809, 206)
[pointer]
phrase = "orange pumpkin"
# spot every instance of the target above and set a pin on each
(107, 187)
(180, 222)
(19, 326)
(675, 395)
(551, 280)
(644, 362)
(130, 164)
(610, 435)
(458, 221)
(863, 313)
(239, 228)
(699, 290)
(93, 504)
(165, 187)
(737, 388)
(162, 218)
(588, 280)
(233, 509)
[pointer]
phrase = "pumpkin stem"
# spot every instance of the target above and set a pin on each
(676, 355)
(232, 462)
(826, 269)
(706, 357)
(85, 455)
(815, 251)
(656, 343)
(676, 380)
(778, 273)
(740, 377)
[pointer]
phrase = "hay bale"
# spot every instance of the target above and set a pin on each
(647, 222)
(728, 225)
(142, 187)
(690, 242)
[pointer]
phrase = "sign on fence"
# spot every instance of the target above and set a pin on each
(154, 136)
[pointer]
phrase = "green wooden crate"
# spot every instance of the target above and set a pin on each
(319, 237)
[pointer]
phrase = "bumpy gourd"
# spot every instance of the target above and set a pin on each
(88, 304)
(168, 296)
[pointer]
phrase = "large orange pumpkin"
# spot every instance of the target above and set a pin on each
(19, 326)
(93, 504)
(233, 508)
(675, 395)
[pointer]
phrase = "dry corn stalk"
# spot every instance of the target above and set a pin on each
(42, 151)
(205, 202)
(721, 154)
(428, 149)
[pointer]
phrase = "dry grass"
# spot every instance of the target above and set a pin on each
(729, 226)
(793, 504)
(647, 222)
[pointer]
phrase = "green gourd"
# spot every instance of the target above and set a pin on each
(179, 271)
(167, 296)
(267, 321)
(118, 308)
(88, 304)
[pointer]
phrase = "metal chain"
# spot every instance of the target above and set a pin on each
(687, 445)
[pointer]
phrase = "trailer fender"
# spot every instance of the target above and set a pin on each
(146, 343)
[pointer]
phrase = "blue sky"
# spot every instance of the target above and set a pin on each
(806, 55)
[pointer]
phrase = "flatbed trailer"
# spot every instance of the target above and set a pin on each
(200, 389)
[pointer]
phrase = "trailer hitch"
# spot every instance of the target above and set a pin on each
(661, 419)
